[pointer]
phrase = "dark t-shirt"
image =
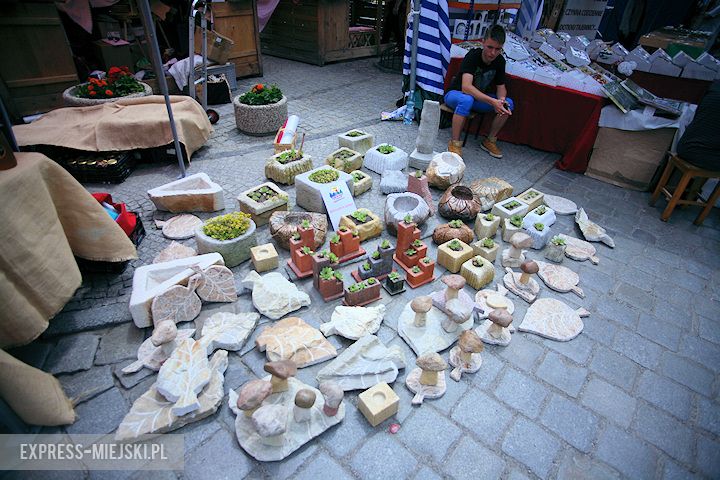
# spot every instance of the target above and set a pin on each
(700, 144)
(484, 75)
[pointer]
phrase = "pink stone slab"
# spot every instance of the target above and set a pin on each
(553, 319)
(180, 227)
(579, 250)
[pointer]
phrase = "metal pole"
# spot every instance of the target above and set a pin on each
(410, 103)
(203, 26)
(157, 63)
(191, 53)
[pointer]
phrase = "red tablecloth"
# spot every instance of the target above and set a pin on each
(553, 119)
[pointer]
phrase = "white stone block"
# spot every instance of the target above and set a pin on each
(379, 162)
(195, 193)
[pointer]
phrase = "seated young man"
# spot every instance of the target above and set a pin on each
(480, 69)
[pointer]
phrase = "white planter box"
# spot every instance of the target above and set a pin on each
(379, 162)
(234, 251)
(501, 209)
(308, 194)
(486, 228)
(261, 211)
(194, 193)
(539, 238)
(547, 218)
(360, 144)
(508, 229)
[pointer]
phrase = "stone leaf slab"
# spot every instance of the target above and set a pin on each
(178, 303)
(591, 230)
(194, 193)
(174, 251)
(579, 250)
(527, 292)
(183, 376)
(363, 364)
(179, 227)
(462, 367)
(293, 339)
(273, 295)
(553, 319)
(560, 278)
(432, 337)
(228, 331)
(152, 357)
(216, 284)
(153, 413)
(354, 322)
(561, 205)
(488, 300)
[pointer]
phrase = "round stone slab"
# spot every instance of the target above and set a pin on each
(561, 205)
(181, 227)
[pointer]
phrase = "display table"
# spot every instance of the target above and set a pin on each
(47, 217)
(553, 119)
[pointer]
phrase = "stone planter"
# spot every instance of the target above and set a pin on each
(194, 193)
(368, 294)
(260, 119)
(285, 173)
(393, 181)
(398, 205)
(452, 260)
(71, 99)
(491, 190)
(458, 203)
(509, 207)
(533, 198)
(486, 228)
(261, 211)
(488, 253)
(539, 238)
(361, 182)
(379, 162)
(393, 287)
(307, 192)
(444, 233)
(478, 276)
(555, 253)
(234, 251)
(420, 187)
(547, 218)
(445, 169)
(369, 229)
(360, 144)
(283, 225)
(264, 257)
(508, 229)
(352, 160)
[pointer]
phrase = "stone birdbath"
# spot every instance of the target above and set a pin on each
(428, 379)
(465, 356)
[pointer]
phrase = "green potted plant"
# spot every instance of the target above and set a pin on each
(260, 111)
(511, 226)
(453, 254)
(486, 248)
(478, 272)
(329, 284)
(361, 182)
(394, 283)
(345, 159)
(486, 225)
(364, 221)
(231, 235)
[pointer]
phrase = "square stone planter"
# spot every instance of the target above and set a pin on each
(489, 254)
(547, 218)
(194, 193)
(285, 173)
(508, 229)
(308, 194)
(369, 229)
(393, 181)
(361, 143)
(345, 159)
(452, 260)
(234, 251)
(533, 198)
(262, 209)
(486, 228)
(508, 208)
(264, 257)
(555, 253)
(379, 162)
(362, 182)
(539, 238)
(393, 287)
(478, 276)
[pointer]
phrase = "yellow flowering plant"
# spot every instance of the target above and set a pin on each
(227, 227)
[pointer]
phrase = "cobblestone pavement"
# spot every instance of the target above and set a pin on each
(634, 396)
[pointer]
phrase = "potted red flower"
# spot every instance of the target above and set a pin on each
(118, 83)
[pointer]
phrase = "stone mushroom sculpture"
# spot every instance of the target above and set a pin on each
(270, 422)
(498, 332)
(528, 268)
(454, 284)
(164, 336)
(421, 306)
(333, 395)
(514, 256)
(304, 400)
(427, 380)
(465, 356)
(457, 310)
(280, 371)
(252, 394)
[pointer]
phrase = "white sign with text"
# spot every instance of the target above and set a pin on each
(338, 201)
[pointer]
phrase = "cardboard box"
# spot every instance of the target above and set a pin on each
(629, 159)
(218, 46)
(114, 56)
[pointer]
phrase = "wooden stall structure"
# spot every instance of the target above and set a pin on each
(322, 31)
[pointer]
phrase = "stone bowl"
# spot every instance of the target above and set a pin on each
(397, 205)
(260, 119)
(459, 203)
(71, 99)
(234, 251)
(445, 169)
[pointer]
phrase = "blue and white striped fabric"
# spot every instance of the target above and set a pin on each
(433, 53)
(529, 17)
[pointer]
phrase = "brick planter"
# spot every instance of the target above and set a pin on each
(368, 294)
(408, 233)
(307, 192)
(285, 173)
(261, 210)
(234, 251)
(348, 247)
(360, 144)
(369, 229)
(425, 275)
(301, 263)
(260, 119)
(452, 260)
(351, 160)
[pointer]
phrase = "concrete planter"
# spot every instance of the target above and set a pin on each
(234, 251)
(539, 238)
(260, 119)
(555, 253)
(478, 276)
(532, 197)
(489, 254)
(308, 194)
(451, 259)
(445, 169)
(379, 162)
(71, 99)
(345, 159)
(508, 229)
(509, 207)
(285, 173)
(398, 205)
(371, 228)
(261, 211)
(547, 218)
(486, 228)
(360, 144)
(194, 193)
(361, 182)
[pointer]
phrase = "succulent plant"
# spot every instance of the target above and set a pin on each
(355, 133)
(324, 175)
(419, 174)
(375, 255)
(394, 276)
(360, 216)
(489, 217)
(408, 219)
(366, 266)
(305, 224)
(306, 250)
(371, 281)
(332, 257)
(541, 210)
(410, 252)
(327, 273)
(516, 220)
(456, 223)
(417, 243)
(338, 276)
(335, 239)
(385, 244)
(356, 287)
(426, 260)
(511, 205)
(558, 240)
(488, 242)
(455, 245)
(385, 149)
(415, 269)
(539, 226)
(227, 227)
(478, 261)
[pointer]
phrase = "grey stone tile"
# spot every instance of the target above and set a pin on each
(101, 414)
(637, 348)
(219, 458)
(489, 370)
(570, 422)
(688, 373)
(454, 391)
(701, 351)
(673, 471)
(97, 317)
(655, 426)
(421, 434)
(486, 418)
(576, 465)
(708, 460)
(609, 401)
(472, 460)
(119, 343)
(131, 379)
(627, 454)
(289, 467)
(708, 416)
(614, 367)
(660, 332)
(322, 467)
(600, 329)
(73, 353)
(669, 313)
(426, 473)
(562, 374)
(529, 444)
(665, 394)
(706, 305)
(34, 354)
(348, 434)
(519, 475)
(199, 432)
(85, 385)
(618, 312)
(521, 352)
(380, 454)
(709, 329)
(521, 392)
(577, 350)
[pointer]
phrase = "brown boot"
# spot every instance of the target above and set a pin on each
(455, 146)
(491, 147)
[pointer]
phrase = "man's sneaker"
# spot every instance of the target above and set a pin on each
(492, 148)
(455, 146)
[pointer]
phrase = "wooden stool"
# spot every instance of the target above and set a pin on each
(468, 121)
(689, 172)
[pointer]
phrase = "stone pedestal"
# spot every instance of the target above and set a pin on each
(308, 194)
(427, 134)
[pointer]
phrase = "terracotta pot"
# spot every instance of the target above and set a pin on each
(318, 263)
(445, 232)
(459, 202)
(301, 260)
(407, 233)
(364, 296)
(337, 248)
(420, 187)
(349, 242)
(416, 279)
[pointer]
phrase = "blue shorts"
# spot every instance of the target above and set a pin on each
(464, 103)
